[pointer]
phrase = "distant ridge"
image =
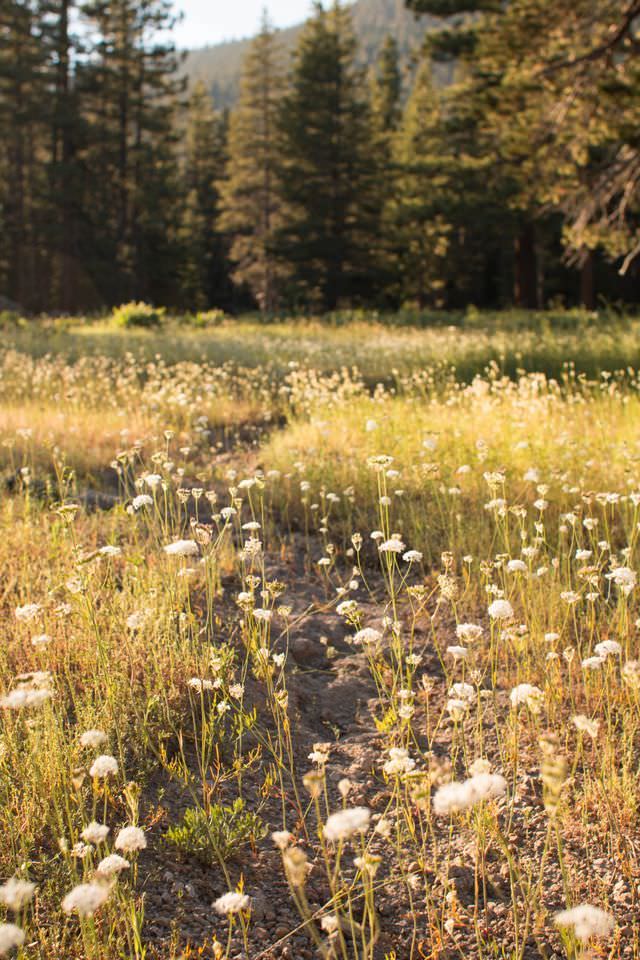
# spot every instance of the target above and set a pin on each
(219, 66)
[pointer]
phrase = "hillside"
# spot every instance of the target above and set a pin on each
(219, 66)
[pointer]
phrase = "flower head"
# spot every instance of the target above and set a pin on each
(344, 823)
(231, 902)
(587, 921)
(86, 898)
(131, 839)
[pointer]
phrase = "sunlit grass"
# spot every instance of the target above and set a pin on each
(466, 552)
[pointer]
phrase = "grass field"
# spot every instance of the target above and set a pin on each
(321, 640)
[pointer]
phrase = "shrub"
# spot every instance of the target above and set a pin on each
(215, 834)
(137, 315)
(209, 318)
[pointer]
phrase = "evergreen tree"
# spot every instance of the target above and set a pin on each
(205, 273)
(250, 205)
(328, 171)
(386, 88)
(22, 99)
(129, 91)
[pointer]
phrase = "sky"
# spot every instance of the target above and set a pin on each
(211, 21)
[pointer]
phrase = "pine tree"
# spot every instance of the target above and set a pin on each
(386, 88)
(250, 205)
(419, 230)
(328, 171)
(129, 90)
(22, 98)
(205, 274)
(65, 194)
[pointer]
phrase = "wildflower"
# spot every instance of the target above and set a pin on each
(586, 725)
(481, 765)
(412, 556)
(42, 640)
(468, 632)
(570, 596)
(136, 619)
(80, 850)
(142, 500)
(95, 833)
(262, 614)
(236, 690)
(592, 663)
(456, 797)
(295, 865)
(623, 577)
(93, 738)
(456, 708)
(529, 695)
(109, 551)
(16, 894)
(182, 548)
(463, 691)
(348, 608)
(500, 610)
(383, 828)
(281, 838)
(631, 673)
(11, 936)
(367, 635)
(551, 637)
(113, 864)
(25, 696)
(608, 648)
(458, 653)
(131, 839)
(344, 823)
(344, 787)
(231, 902)
(85, 899)
(587, 921)
(330, 924)
(28, 612)
(399, 762)
(368, 864)
(152, 480)
(393, 545)
(516, 566)
(103, 766)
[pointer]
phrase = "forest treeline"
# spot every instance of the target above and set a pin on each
(327, 185)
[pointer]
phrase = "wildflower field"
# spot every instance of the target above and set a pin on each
(321, 641)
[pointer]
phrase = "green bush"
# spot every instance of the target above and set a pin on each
(137, 315)
(215, 834)
(209, 318)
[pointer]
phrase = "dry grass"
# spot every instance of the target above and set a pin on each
(449, 791)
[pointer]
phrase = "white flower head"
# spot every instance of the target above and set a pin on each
(95, 833)
(11, 936)
(16, 894)
(112, 865)
(182, 548)
(231, 902)
(130, 840)
(86, 898)
(345, 823)
(103, 766)
(587, 921)
(500, 610)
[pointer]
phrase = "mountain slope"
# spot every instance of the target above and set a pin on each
(219, 66)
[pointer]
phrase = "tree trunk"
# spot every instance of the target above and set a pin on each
(587, 282)
(526, 274)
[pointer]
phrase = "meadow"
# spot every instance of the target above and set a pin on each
(321, 639)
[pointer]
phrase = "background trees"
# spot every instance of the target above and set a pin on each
(503, 167)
